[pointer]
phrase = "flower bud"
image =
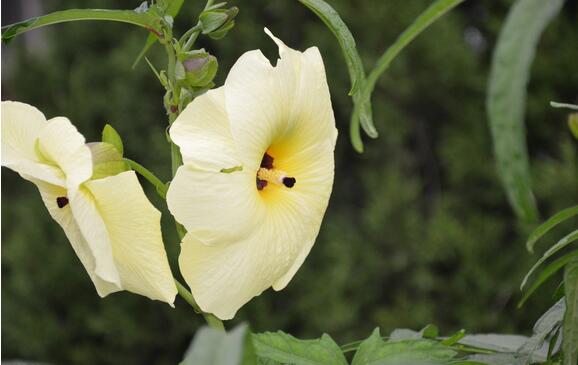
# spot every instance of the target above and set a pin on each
(217, 22)
(196, 68)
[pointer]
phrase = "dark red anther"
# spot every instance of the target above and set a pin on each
(267, 161)
(174, 109)
(289, 181)
(261, 184)
(61, 201)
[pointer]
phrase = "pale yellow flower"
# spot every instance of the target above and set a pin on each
(111, 225)
(257, 176)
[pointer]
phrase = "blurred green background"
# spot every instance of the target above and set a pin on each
(418, 229)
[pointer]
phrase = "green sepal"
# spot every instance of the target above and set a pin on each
(106, 160)
(222, 32)
(111, 136)
(215, 20)
(212, 20)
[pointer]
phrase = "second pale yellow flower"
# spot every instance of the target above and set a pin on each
(257, 176)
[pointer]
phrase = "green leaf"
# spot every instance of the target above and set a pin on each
(213, 347)
(568, 239)
(546, 273)
(362, 107)
(344, 37)
(143, 19)
(494, 342)
(374, 351)
(173, 10)
(506, 98)
(554, 104)
(453, 339)
(549, 224)
(362, 113)
(399, 334)
(421, 23)
(286, 349)
(570, 324)
(531, 351)
(496, 359)
(110, 135)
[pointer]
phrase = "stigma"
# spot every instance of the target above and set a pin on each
(267, 176)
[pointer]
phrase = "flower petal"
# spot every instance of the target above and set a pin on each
(134, 232)
(257, 105)
(308, 200)
(203, 134)
(64, 217)
(214, 206)
(21, 125)
(93, 229)
(62, 144)
(286, 107)
(224, 277)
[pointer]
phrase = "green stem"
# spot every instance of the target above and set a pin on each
(212, 321)
(160, 186)
(194, 32)
(176, 161)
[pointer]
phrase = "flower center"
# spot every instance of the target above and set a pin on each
(61, 201)
(267, 174)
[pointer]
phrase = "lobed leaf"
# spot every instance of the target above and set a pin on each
(374, 351)
(570, 324)
(272, 347)
(506, 97)
(549, 224)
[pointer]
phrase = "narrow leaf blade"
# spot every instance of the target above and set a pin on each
(546, 273)
(506, 98)
(549, 224)
(142, 19)
(570, 324)
(346, 41)
(565, 241)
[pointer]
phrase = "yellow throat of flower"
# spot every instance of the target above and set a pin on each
(268, 174)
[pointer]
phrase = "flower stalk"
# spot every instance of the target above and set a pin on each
(172, 106)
